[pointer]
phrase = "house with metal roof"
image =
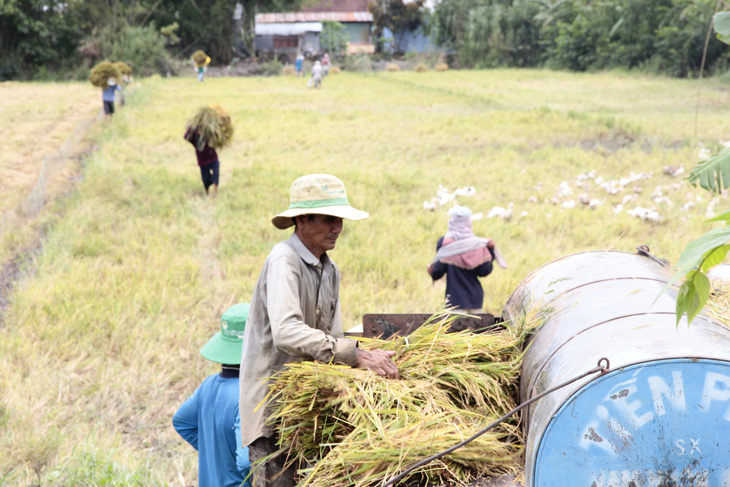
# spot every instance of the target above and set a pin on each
(282, 35)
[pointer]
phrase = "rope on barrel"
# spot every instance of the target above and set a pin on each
(602, 367)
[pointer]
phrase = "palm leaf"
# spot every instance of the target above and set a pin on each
(712, 174)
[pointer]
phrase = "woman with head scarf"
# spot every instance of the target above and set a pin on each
(463, 258)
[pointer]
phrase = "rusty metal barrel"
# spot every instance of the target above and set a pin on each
(660, 416)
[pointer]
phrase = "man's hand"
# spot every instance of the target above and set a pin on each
(379, 361)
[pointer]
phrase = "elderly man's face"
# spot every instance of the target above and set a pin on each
(320, 233)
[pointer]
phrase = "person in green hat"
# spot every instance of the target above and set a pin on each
(209, 419)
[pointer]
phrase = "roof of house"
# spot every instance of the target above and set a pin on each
(335, 6)
(288, 17)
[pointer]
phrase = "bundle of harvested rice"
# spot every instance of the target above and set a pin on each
(213, 126)
(123, 68)
(354, 428)
(101, 73)
(718, 303)
(200, 58)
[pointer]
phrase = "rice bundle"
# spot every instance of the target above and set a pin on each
(123, 68)
(213, 126)
(101, 73)
(354, 428)
(200, 58)
(718, 303)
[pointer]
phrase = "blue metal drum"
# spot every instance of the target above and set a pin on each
(659, 417)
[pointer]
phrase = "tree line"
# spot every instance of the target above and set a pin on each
(63, 39)
(52, 39)
(662, 36)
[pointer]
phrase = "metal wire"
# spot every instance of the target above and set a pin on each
(602, 367)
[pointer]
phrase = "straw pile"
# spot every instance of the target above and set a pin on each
(200, 58)
(102, 72)
(123, 68)
(718, 303)
(350, 427)
(213, 126)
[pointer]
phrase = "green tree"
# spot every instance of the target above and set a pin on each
(35, 35)
(488, 33)
(395, 15)
(333, 37)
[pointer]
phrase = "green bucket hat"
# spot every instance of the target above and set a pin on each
(225, 346)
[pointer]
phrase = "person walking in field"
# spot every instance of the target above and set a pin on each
(107, 96)
(299, 64)
(209, 129)
(209, 419)
(316, 78)
(295, 316)
(463, 259)
(325, 63)
(207, 161)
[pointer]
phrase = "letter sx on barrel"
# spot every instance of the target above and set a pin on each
(653, 424)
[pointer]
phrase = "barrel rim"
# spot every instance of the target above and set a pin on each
(535, 271)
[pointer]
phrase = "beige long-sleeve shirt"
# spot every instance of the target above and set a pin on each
(294, 316)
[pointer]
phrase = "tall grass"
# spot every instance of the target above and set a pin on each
(100, 345)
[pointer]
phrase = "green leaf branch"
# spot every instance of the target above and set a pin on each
(710, 249)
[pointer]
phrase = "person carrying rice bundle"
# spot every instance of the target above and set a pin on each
(105, 75)
(295, 316)
(201, 61)
(210, 129)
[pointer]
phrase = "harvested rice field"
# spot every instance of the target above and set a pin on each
(134, 265)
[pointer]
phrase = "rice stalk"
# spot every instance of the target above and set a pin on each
(213, 125)
(101, 73)
(200, 58)
(718, 304)
(123, 68)
(346, 427)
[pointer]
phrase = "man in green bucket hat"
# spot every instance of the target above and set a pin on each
(295, 315)
(209, 420)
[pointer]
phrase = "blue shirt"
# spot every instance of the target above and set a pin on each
(210, 422)
(463, 288)
(107, 93)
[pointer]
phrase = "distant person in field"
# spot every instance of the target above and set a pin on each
(326, 63)
(107, 95)
(207, 161)
(209, 419)
(463, 259)
(317, 73)
(299, 64)
(295, 315)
